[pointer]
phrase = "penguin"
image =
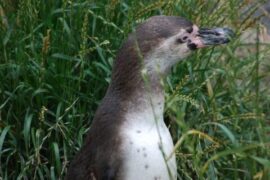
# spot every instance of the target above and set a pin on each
(128, 139)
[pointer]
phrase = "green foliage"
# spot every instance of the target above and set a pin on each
(55, 64)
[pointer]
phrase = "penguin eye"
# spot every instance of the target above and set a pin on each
(189, 30)
(181, 40)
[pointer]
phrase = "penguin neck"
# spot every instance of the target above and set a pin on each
(139, 93)
(136, 83)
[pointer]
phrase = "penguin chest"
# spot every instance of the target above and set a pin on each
(146, 145)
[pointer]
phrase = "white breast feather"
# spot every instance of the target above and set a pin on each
(145, 140)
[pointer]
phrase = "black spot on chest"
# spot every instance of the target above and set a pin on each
(146, 166)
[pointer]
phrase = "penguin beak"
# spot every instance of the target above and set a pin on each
(215, 36)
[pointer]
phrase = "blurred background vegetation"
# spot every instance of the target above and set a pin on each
(55, 65)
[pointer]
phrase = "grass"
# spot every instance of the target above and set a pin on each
(55, 64)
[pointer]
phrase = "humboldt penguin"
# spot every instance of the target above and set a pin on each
(128, 139)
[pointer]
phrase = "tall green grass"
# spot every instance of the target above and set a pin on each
(55, 65)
